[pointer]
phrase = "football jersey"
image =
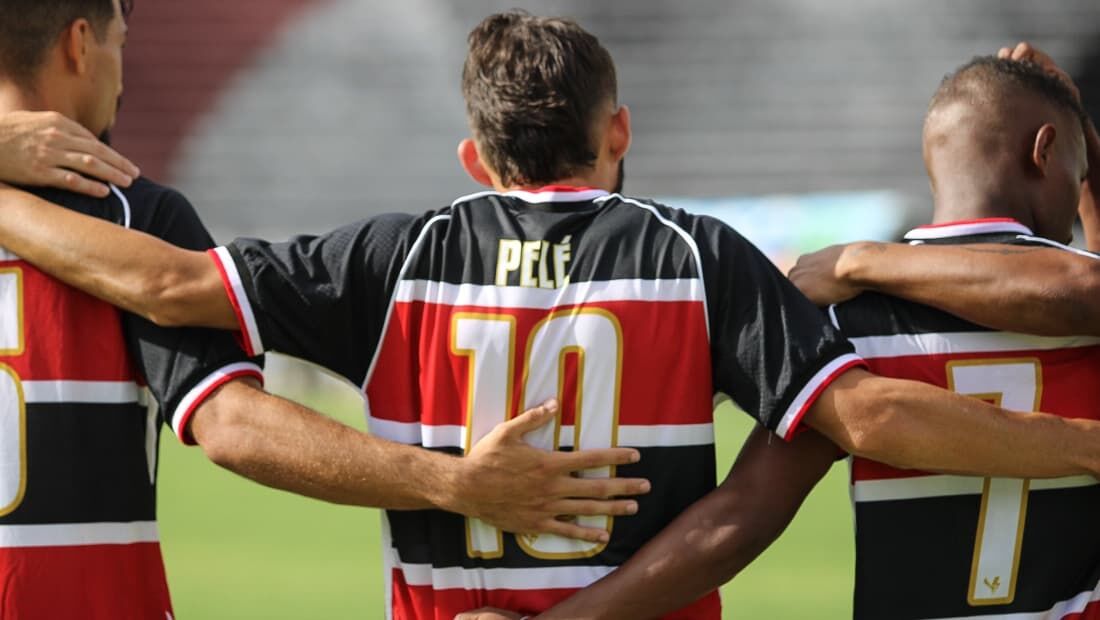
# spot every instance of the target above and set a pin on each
(78, 444)
(938, 546)
(631, 313)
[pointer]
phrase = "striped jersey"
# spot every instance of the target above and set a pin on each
(78, 443)
(938, 546)
(633, 314)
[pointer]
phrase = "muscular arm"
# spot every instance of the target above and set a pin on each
(502, 480)
(1032, 290)
(710, 542)
(129, 269)
(913, 425)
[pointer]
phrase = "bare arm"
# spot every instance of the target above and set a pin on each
(1032, 290)
(129, 269)
(913, 425)
(710, 542)
(502, 480)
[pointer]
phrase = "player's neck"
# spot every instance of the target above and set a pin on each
(967, 203)
(37, 99)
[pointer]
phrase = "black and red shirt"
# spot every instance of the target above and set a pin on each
(938, 546)
(78, 437)
(633, 314)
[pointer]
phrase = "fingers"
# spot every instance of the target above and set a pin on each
(91, 166)
(69, 180)
(591, 459)
(601, 487)
(532, 418)
(101, 152)
(595, 507)
(569, 529)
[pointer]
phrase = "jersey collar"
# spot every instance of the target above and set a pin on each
(557, 193)
(964, 228)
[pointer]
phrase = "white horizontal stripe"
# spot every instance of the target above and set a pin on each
(1075, 605)
(240, 295)
(453, 436)
(194, 397)
(663, 435)
(586, 195)
(966, 228)
(75, 534)
(941, 486)
(6, 255)
(802, 399)
(110, 392)
(502, 578)
(870, 347)
(690, 289)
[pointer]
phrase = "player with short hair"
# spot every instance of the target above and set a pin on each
(633, 314)
(1003, 145)
(78, 447)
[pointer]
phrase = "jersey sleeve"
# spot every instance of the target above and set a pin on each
(322, 298)
(182, 366)
(773, 351)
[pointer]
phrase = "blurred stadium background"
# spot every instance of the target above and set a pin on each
(798, 121)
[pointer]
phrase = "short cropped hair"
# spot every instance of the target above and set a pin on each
(29, 28)
(534, 87)
(998, 78)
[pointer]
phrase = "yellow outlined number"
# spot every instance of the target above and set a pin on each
(1014, 383)
(13, 411)
(487, 341)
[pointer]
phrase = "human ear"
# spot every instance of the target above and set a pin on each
(470, 160)
(1043, 147)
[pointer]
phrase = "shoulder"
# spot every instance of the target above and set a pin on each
(146, 195)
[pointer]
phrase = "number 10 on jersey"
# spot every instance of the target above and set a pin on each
(488, 342)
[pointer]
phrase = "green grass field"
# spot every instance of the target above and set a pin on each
(237, 550)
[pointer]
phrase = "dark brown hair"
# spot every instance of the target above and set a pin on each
(533, 88)
(29, 28)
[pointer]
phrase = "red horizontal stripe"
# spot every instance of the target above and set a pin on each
(666, 364)
(93, 582)
(68, 335)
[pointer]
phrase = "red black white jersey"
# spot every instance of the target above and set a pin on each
(936, 546)
(78, 444)
(633, 314)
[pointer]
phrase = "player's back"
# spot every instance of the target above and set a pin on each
(938, 546)
(631, 313)
(78, 535)
(599, 302)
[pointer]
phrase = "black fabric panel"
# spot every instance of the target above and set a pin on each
(172, 360)
(913, 557)
(679, 475)
(85, 463)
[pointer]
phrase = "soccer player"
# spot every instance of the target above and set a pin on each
(78, 447)
(633, 314)
(1003, 144)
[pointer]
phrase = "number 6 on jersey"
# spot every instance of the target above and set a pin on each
(488, 342)
(13, 475)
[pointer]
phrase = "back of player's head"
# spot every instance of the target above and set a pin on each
(994, 83)
(29, 28)
(534, 87)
